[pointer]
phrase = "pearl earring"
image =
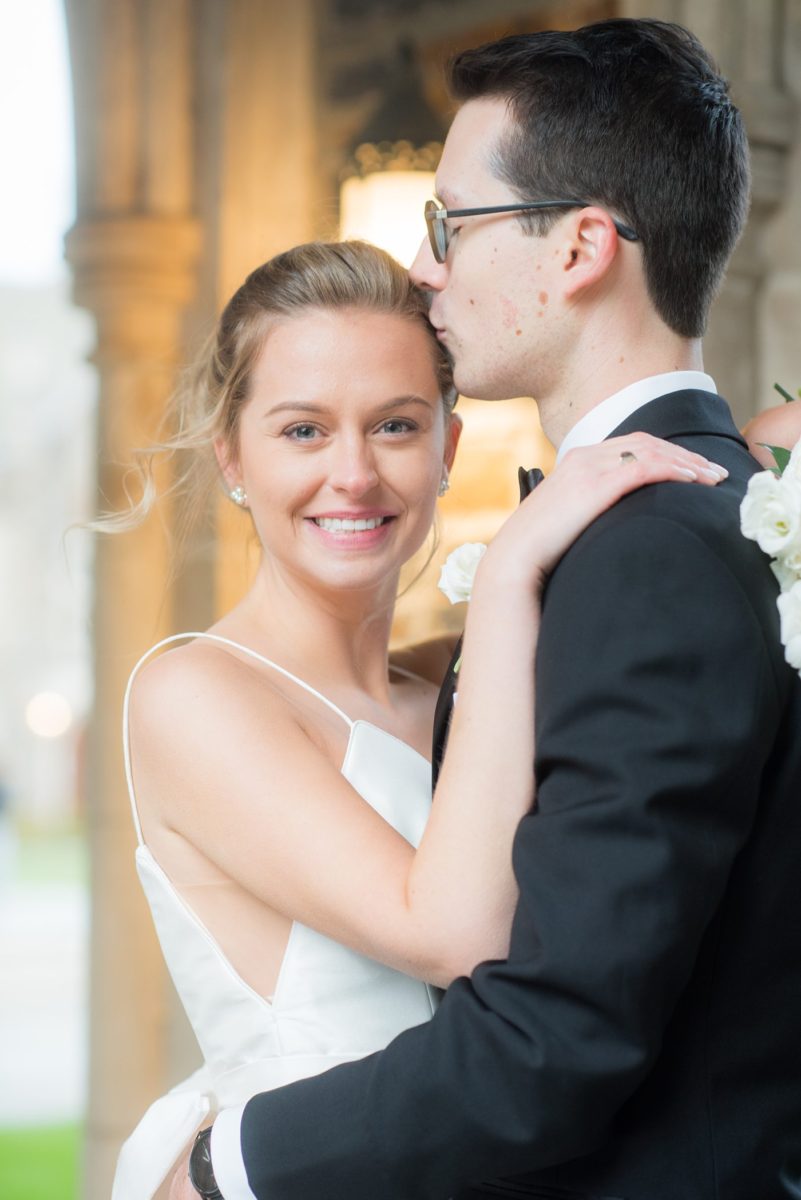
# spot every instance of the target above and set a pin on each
(239, 495)
(444, 483)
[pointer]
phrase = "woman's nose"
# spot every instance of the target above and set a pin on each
(354, 468)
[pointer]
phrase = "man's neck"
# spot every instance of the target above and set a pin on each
(599, 374)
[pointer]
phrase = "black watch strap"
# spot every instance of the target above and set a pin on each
(201, 1172)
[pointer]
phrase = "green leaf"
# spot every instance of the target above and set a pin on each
(788, 399)
(781, 455)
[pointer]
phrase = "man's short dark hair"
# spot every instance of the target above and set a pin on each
(632, 115)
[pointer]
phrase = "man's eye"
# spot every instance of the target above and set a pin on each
(301, 433)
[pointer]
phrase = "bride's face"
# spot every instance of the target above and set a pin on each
(342, 444)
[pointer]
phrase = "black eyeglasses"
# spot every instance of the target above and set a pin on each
(439, 235)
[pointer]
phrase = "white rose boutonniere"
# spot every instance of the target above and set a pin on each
(770, 515)
(459, 571)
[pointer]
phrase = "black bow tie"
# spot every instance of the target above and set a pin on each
(528, 480)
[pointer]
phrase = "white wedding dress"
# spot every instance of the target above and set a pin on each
(330, 1005)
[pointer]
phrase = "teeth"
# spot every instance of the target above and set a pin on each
(344, 525)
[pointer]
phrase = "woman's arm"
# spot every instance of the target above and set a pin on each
(245, 782)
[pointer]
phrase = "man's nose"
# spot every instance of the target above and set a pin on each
(426, 272)
(353, 470)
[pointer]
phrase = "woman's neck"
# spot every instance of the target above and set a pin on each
(336, 637)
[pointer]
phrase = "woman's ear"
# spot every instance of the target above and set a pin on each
(453, 432)
(591, 250)
(227, 462)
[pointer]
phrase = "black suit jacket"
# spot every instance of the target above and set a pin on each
(643, 1039)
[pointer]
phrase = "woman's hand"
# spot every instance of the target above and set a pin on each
(586, 482)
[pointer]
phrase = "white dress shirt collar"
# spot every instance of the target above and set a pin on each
(599, 422)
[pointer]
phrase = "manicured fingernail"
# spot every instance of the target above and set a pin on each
(715, 472)
(688, 472)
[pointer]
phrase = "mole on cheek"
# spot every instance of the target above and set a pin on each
(518, 332)
(543, 297)
(472, 301)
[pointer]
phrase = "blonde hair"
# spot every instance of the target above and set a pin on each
(207, 404)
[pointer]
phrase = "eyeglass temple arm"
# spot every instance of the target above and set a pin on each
(442, 214)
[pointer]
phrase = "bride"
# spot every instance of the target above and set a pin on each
(308, 899)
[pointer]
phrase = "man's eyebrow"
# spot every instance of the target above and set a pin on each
(305, 406)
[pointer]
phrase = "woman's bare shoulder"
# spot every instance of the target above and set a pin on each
(199, 685)
(428, 659)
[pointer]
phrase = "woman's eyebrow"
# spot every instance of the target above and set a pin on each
(308, 407)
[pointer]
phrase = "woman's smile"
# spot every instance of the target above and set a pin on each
(352, 531)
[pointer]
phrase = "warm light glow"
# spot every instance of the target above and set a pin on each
(386, 208)
(48, 714)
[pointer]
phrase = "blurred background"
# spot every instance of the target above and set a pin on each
(154, 152)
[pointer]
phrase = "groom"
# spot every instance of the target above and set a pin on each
(643, 1038)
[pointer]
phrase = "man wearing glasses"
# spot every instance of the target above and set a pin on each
(642, 1040)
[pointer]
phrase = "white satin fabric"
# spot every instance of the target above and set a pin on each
(330, 1004)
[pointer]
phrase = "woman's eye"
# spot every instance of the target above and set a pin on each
(301, 433)
(397, 425)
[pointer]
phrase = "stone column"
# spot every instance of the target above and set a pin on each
(132, 252)
(780, 298)
(267, 182)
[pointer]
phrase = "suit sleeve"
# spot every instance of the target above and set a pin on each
(655, 703)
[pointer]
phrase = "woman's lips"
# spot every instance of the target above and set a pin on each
(352, 532)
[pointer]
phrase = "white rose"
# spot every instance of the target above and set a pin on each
(791, 556)
(459, 571)
(786, 574)
(770, 513)
(790, 614)
(793, 468)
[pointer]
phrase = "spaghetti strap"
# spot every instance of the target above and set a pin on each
(212, 637)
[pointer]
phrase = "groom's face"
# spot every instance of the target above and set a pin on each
(493, 303)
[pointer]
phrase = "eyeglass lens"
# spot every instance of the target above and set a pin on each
(437, 231)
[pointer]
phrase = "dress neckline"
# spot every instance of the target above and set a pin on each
(386, 733)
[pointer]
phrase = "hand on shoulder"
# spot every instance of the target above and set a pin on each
(587, 481)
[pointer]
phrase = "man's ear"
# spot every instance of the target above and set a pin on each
(227, 462)
(590, 251)
(452, 434)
